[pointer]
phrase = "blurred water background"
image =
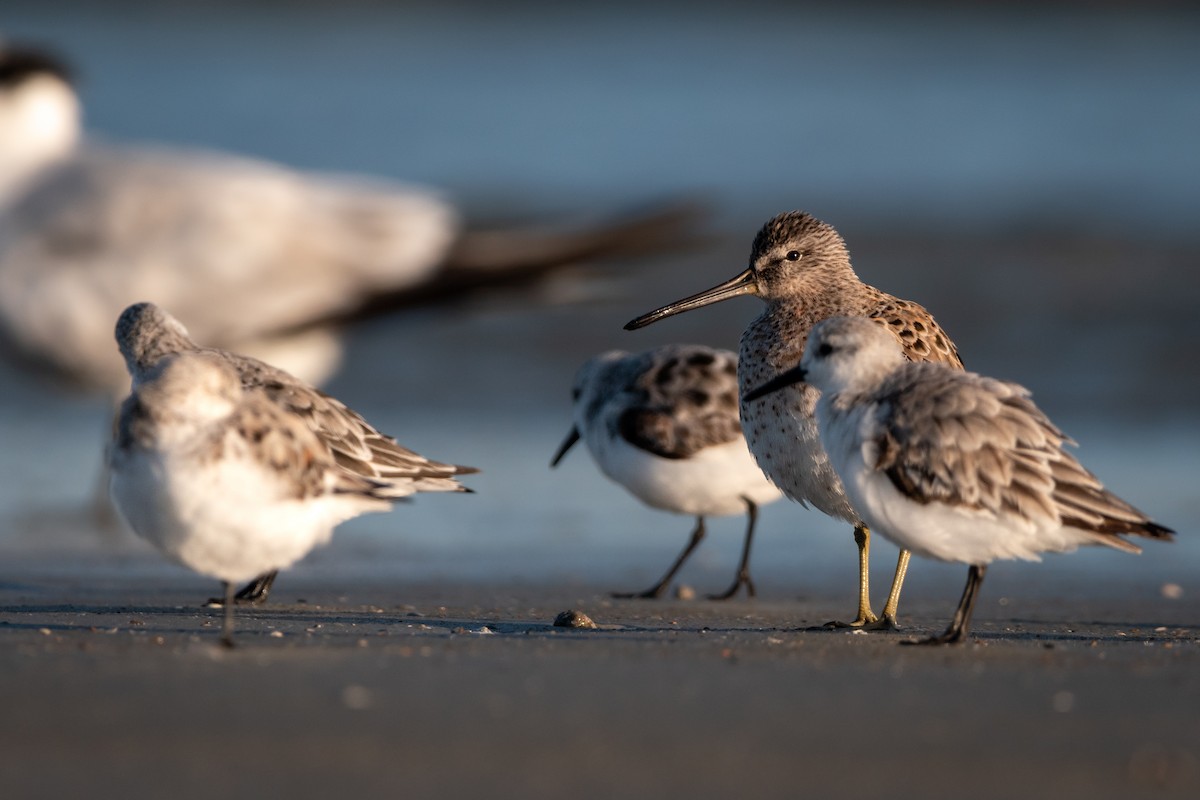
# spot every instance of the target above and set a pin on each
(1029, 172)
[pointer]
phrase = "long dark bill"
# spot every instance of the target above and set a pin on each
(792, 376)
(745, 283)
(567, 444)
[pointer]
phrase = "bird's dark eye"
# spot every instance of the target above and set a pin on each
(793, 255)
(575, 393)
(825, 349)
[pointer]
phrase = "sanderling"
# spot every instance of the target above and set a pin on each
(259, 258)
(949, 464)
(222, 478)
(664, 424)
(146, 334)
(800, 267)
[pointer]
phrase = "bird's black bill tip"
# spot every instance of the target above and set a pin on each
(567, 444)
(789, 378)
(742, 283)
(657, 314)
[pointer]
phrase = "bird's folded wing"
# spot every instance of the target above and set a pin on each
(964, 440)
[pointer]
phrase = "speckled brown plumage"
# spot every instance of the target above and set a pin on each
(818, 282)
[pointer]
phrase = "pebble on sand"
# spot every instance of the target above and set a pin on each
(573, 619)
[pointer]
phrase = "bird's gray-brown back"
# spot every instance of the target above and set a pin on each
(804, 275)
(967, 440)
(193, 403)
(690, 402)
(146, 334)
(673, 401)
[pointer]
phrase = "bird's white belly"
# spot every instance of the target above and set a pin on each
(713, 481)
(940, 530)
(231, 523)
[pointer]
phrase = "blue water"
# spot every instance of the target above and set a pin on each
(992, 121)
(887, 110)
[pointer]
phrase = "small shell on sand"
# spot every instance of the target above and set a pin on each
(573, 619)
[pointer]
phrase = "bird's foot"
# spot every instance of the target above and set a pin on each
(865, 619)
(254, 593)
(887, 622)
(733, 590)
(949, 637)
(653, 593)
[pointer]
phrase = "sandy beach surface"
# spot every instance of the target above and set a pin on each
(115, 686)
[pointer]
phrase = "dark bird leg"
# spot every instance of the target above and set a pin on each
(227, 626)
(253, 593)
(957, 632)
(256, 591)
(657, 589)
(743, 573)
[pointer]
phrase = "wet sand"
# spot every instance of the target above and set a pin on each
(114, 686)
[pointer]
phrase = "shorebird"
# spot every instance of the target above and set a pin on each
(146, 334)
(800, 268)
(225, 480)
(259, 258)
(952, 465)
(664, 424)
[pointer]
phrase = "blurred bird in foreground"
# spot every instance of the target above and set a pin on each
(664, 424)
(222, 479)
(257, 257)
(167, 430)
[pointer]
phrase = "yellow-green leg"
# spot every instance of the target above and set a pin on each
(866, 617)
(888, 621)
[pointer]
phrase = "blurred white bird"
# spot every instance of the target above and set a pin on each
(258, 258)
